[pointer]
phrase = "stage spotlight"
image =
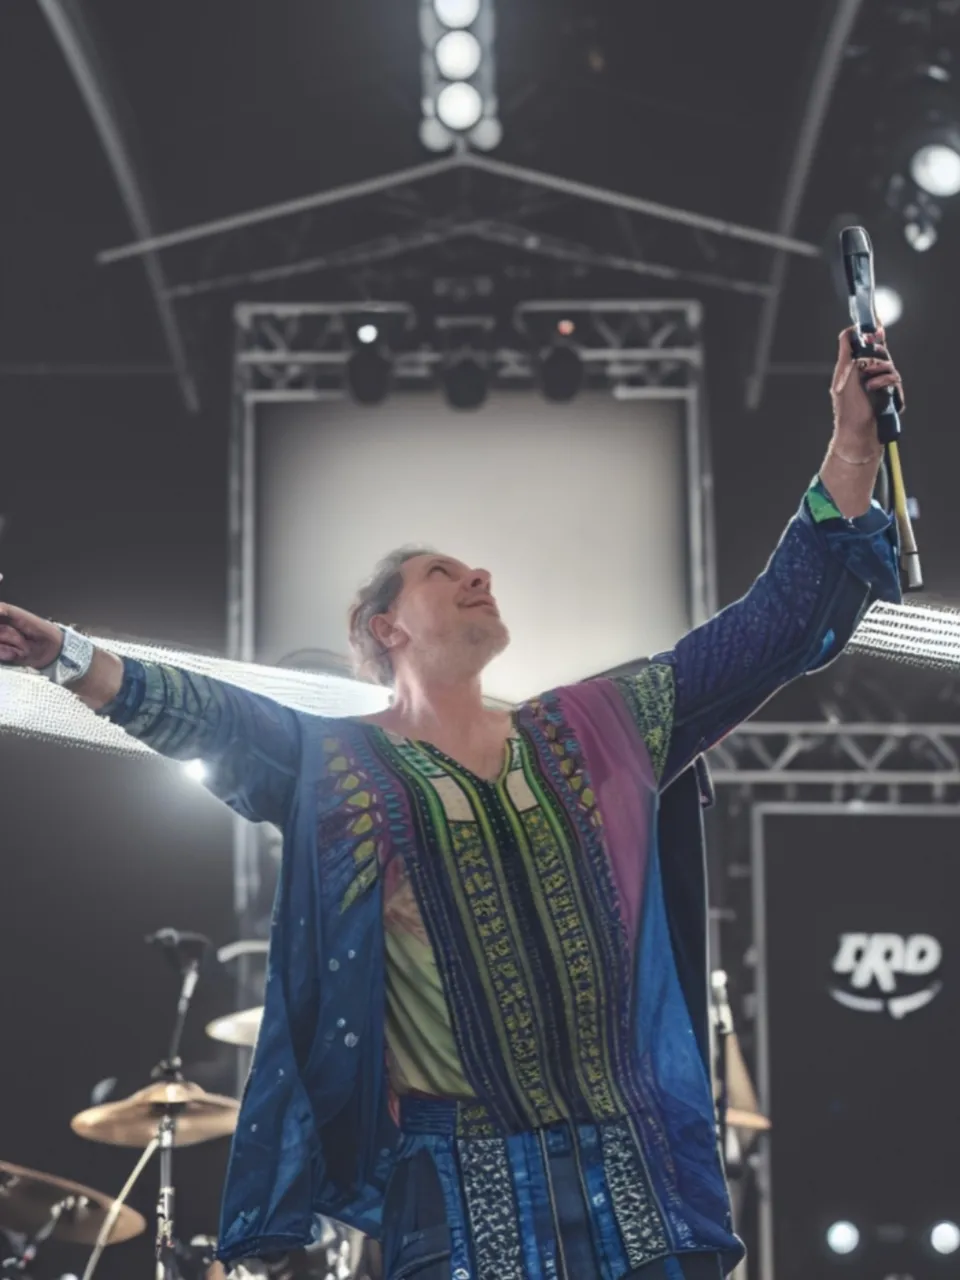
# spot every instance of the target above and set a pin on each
(459, 106)
(919, 229)
(368, 376)
(842, 1237)
(458, 55)
(367, 334)
(935, 168)
(945, 1237)
(889, 305)
(465, 383)
(457, 14)
(560, 374)
(195, 770)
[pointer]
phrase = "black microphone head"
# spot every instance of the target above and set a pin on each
(857, 254)
(855, 240)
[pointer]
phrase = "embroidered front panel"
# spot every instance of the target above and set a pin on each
(519, 904)
(491, 1208)
(635, 1209)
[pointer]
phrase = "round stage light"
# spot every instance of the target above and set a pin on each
(920, 233)
(457, 13)
(889, 305)
(842, 1237)
(195, 770)
(367, 334)
(459, 107)
(458, 55)
(945, 1237)
(935, 168)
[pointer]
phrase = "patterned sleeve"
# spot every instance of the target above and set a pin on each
(797, 617)
(250, 744)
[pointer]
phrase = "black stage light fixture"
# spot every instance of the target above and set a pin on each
(465, 382)
(369, 375)
(560, 374)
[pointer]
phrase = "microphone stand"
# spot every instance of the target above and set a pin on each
(723, 1024)
(169, 1070)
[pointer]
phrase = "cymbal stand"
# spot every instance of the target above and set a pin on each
(26, 1253)
(169, 1070)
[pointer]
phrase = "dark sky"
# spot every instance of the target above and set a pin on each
(115, 497)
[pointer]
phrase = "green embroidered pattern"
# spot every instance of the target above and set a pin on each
(650, 696)
(819, 503)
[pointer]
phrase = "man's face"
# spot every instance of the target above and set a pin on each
(447, 615)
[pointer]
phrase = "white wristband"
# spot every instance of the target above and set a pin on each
(72, 662)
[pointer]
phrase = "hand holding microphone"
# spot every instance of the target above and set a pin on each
(880, 382)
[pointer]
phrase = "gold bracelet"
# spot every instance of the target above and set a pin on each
(857, 462)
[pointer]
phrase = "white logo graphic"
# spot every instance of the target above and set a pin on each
(880, 958)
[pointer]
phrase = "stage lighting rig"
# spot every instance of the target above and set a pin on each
(458, 75)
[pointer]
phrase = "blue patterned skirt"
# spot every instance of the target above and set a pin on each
(560, 1203)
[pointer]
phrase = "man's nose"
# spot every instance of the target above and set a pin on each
(480, 580)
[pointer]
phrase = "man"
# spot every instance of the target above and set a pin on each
(485, 1030)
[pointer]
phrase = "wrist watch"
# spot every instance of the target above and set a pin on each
(72, 662)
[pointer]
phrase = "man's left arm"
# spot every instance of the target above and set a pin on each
(837, 556)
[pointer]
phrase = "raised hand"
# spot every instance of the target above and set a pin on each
(26, 640)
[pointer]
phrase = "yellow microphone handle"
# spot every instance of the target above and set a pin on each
(909, 555)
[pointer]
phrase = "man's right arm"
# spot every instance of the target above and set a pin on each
(250, 744)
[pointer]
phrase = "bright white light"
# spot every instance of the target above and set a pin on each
(195, 770)
(936, 168)
(945, 1237)
(920, 235)
(457, 13)
(458, 55)
(459, 106)
(843, 1237)
(889, 305)
(368, 333)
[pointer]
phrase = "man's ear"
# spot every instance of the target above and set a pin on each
(383, 631)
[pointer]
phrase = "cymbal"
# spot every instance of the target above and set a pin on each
(27, 1199)
(747, 1120)
(133, 1121)
(237, 1028)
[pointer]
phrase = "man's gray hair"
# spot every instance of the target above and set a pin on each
(377, 595)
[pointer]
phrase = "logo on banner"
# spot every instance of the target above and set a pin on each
(887, 962)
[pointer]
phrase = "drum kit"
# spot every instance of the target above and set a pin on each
(170, 1113)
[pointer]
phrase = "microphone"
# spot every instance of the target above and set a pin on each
(184, 950)
(857, 253)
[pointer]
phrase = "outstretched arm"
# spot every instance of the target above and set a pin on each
(836, 557)
(250, 744)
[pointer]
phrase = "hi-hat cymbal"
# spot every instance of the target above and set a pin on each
(237, 1028)
(747, 1120)
(28, 1200)
(133, 1121)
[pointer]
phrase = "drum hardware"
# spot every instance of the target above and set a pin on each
(170, 1112)
(240, 1029)
(36, 1207)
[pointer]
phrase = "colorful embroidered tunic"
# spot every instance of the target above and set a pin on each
(516, 950)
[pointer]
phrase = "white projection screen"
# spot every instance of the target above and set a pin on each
(581, 512)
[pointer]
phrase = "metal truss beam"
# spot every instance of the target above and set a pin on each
(294, 351)
(462, 160)
(849, 760)
(843, 15)
(101, 97)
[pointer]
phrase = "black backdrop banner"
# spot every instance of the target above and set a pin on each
(858, 930)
